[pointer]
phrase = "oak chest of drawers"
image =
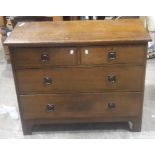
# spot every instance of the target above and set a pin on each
(79, 71)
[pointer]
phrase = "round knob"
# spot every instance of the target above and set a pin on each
(112, 55)
(112, 79)
(111, 105)
(86, 51)
(50, 107)
(44, 57)
(47, 80)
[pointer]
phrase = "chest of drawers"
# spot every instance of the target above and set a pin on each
(79, 72)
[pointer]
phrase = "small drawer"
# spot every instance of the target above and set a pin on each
(129, 54)
(38, 57)
(80, 79)
(89, 105)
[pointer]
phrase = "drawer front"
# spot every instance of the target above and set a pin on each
(38, 57)
(80, 105)
(81, 79)
(117, 54)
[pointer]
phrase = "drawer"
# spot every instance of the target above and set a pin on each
(81, 79)
(38, 57)
(116, 54)
(87, 105)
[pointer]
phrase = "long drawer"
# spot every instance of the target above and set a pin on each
(80, 79)
(87, 105)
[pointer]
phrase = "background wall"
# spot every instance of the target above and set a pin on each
(151, 23)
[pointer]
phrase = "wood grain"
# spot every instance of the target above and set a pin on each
(88, 79)
(127, 54)
(68, 106)
(31, 57)
(78, 32)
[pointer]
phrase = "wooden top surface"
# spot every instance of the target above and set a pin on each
(78, 32)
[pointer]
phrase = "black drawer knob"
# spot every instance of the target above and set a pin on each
(47, 80)
(111, 106)
(50, 107)
(44, 57)
(111, 55)
(112, 79)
